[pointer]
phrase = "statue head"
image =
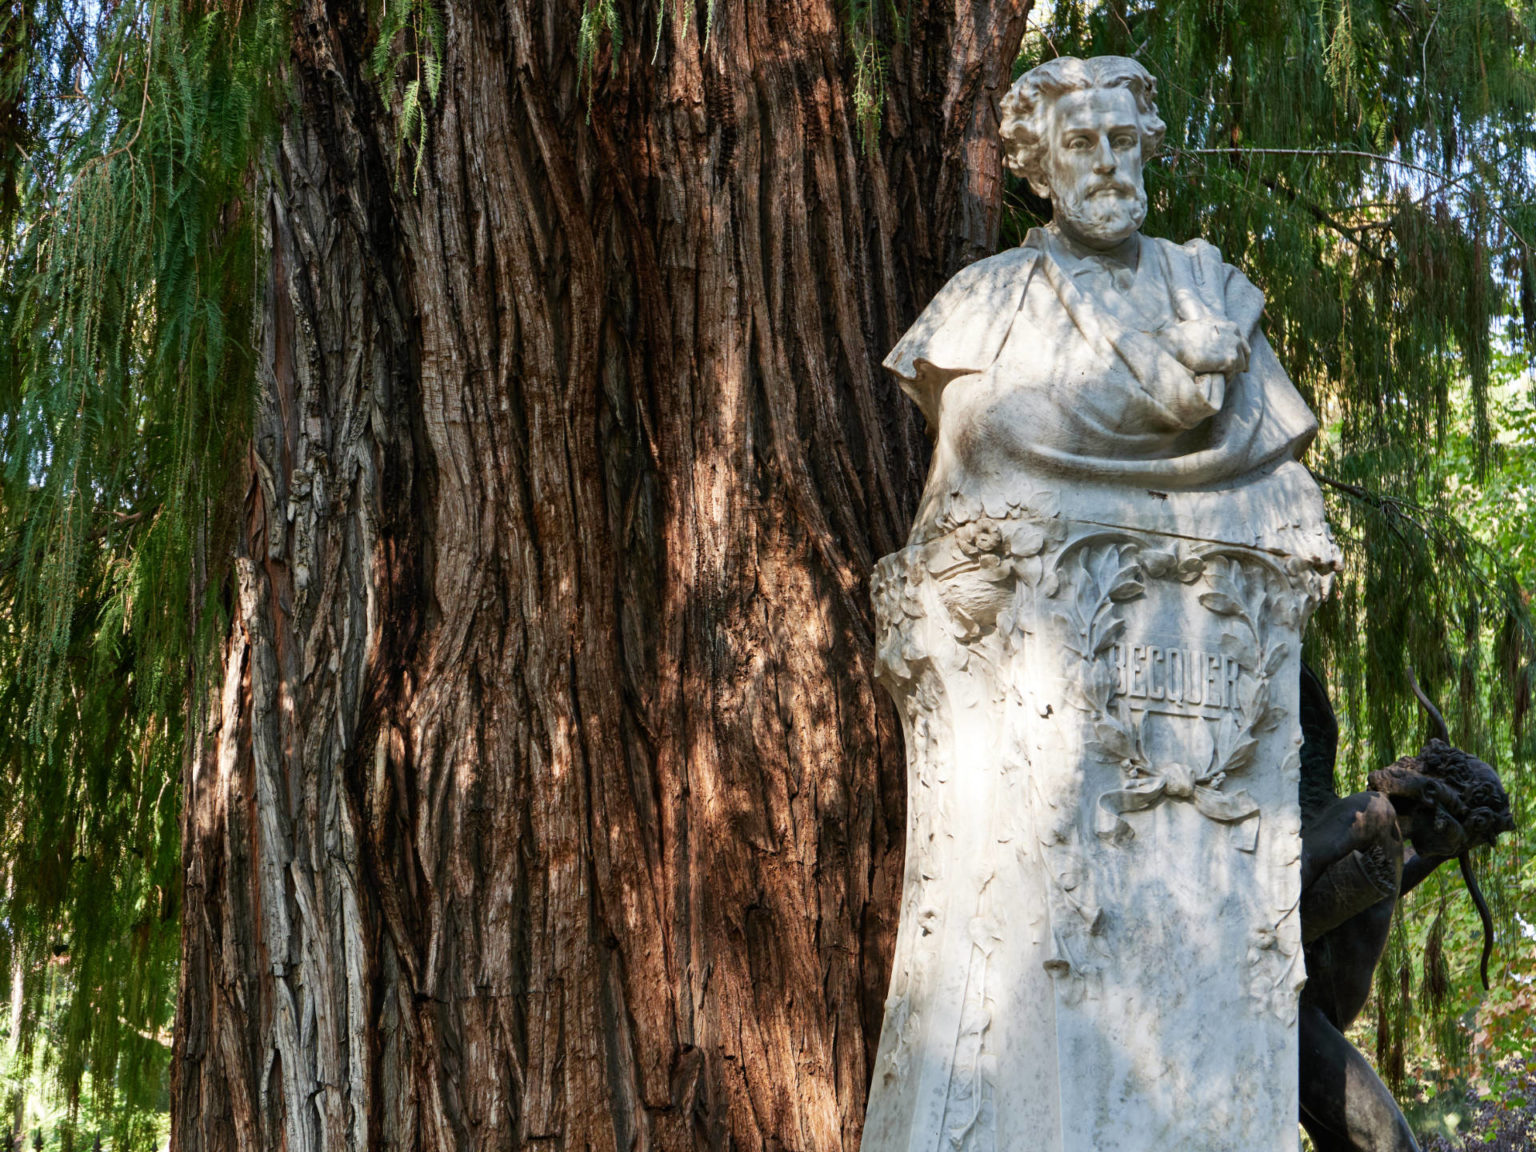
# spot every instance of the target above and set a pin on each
(1447, 799)
(1079, 131)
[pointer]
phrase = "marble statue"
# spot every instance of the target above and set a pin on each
(1093, 639)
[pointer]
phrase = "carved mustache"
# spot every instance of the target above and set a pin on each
(1116, 189)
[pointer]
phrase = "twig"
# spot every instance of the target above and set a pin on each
(1321, 152)
(1446, 180)
(149, 63)
(1320, 214)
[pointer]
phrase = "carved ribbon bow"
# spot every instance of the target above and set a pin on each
(1176, 782)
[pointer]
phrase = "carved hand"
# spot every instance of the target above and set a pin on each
(1208, 346)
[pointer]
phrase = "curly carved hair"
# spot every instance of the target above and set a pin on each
(1026, 108)
(1482, 804)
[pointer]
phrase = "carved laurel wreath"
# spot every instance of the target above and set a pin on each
(1115, 572)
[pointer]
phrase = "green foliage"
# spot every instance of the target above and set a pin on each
(599, 20)
(600, 24)
(1371, 166)
(407, 65)
(126, 286)
(872, 28)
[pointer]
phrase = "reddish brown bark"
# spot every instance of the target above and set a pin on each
(549, 799)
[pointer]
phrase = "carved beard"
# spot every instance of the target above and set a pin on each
(1102, 209)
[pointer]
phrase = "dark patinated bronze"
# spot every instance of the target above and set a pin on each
(1360, 854)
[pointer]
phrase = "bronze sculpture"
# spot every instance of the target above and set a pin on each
(1360, 854)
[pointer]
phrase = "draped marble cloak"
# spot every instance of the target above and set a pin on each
(1024, 370)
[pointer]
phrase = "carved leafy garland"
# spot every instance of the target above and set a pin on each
(1243, 595)
(1113, 573)
(897, 591)
(1110, 574)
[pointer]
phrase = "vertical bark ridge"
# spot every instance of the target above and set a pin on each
(549, 799)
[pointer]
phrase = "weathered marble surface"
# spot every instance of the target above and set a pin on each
(1093, 638)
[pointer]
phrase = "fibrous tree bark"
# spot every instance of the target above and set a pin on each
(547, 798)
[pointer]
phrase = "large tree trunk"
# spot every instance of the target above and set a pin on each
(548, 797)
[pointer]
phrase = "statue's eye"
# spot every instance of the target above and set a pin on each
(1078, 143)
(1125, 141)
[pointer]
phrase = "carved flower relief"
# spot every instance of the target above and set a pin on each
(897, 589)
(1163, 565)
(1038, 504)
(1312, 577)
(1077, 924)
(986, 568)
(983, 569)
(981, 540)
(1275, 973)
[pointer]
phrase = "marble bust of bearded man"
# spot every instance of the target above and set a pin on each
(1102, 363)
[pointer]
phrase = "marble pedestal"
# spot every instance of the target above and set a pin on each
(1099, 947)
